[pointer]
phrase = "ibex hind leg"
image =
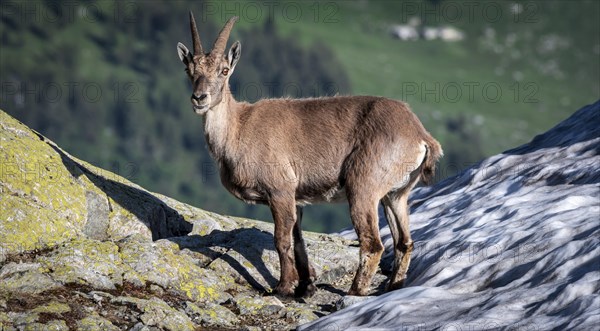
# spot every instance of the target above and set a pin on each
(363, 211)
(305, 272)
(394, 226)
(396, 211)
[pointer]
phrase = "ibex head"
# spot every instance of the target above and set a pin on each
(209, 72)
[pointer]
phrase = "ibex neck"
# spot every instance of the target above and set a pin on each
(220, 127)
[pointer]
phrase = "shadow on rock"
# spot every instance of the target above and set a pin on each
(162, 220)
(248, 253)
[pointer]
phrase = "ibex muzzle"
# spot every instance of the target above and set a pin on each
(366, 150)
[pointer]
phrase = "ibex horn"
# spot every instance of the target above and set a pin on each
(221, 42)
(195, 36)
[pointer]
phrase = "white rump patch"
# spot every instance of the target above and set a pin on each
(411, 166)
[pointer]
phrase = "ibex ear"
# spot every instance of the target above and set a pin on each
(234, 54)
(184, 54)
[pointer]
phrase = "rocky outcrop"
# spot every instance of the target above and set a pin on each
(82, 248)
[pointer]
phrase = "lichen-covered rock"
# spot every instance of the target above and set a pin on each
(50, 197)
(97, 222)
(251, 258)
(142, 327)
(52, 307)
(43, 204)
(29, 278)
(210, 314)
(22, 319)
(87, 261)
(53, 325)
(248, 305)
(162, 263)
(95, 322)
(159, 313)
(205, 226)
(332, 257)
(301, 313)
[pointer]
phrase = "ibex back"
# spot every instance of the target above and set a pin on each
(287, 153)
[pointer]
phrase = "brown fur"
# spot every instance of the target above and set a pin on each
(286, 153)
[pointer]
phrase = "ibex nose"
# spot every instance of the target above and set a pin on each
(199, 97)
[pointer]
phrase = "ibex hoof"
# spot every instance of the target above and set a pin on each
(284, 290)
(358, 292)
(391, 286)
(305, 289)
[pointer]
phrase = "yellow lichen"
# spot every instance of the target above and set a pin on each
(43, 204)
(52, 307)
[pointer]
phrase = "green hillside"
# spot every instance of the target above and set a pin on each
(513, 76)
(103, 80)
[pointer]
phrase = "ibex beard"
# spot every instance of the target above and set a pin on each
(362, 149)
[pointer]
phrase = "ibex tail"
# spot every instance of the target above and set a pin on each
(434, 153)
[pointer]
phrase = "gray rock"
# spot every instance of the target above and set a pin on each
(30, 278)
(162, 263)
(350, 300)
(96, 225)
(53, 325)
(156, 312)
(22, 319)
(250, 258)
(251, 328)
(141, 327)
(87, 261)
(52, 307)
(205, 226)
(248, 305)
(100, 297)
(95, 322)
(331, 256)
(210, 314)
(301, 313)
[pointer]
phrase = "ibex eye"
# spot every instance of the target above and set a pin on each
(225, 71)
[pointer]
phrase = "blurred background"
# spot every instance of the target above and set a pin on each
(103, 79)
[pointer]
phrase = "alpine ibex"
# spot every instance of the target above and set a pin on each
(286, 153)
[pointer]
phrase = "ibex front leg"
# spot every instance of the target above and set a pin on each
(284, 216)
